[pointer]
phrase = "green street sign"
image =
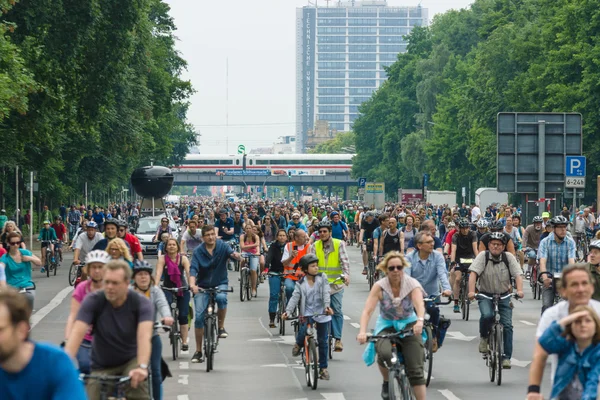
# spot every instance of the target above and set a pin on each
(241, 149)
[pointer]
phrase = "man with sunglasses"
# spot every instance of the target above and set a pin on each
(334, 262)
(296, 223)
(131, 240)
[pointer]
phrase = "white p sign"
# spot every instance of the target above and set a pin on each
(575, 166)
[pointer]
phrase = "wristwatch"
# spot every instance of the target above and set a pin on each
(143, 366)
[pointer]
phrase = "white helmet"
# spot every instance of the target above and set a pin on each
(99, 256)
(482, 223)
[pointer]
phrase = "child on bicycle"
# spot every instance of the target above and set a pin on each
(312, 294)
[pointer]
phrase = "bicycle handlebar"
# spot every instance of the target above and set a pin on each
(215, 290)
(436, 298)
(401, 334)
(506, 296)
(175, 289)
(114, 378)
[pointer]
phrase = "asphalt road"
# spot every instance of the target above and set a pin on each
(256, 363)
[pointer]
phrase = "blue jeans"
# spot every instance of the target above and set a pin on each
(183, 305)
(274, 287)
(83, 357)
(155, 358)
(337, 321)
(487, 319)
(322, 338)
(201, 302)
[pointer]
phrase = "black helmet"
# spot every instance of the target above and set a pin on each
(559, 220)
(463, 223)
(496, 225)
(498, 236)
(142, 265)
(307, 260)
(537, 219)
(325, 224)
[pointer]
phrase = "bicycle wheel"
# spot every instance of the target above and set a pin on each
(330, 342)
(215, 342)
(464, 302)
(394, 388)
(499, 353)
(73, 274)
(55, 265)
(48, 264)
(175, 339)
(491, 354)
(407, 390)
(242, 288)
(208, 343)
(428, 367)
(314, 363)
(248, 284)
(280, 311)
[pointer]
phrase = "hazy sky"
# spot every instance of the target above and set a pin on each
(259, 40)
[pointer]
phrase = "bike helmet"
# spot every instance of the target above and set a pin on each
(537, 219)
(142, 265)
(307, 260)
(496, 226)
(99, 256)
(402, 215)
(463, 223)
(498, 236)
(222, 211)
(482, 223)
(121, 223)
(111, 221)
(595, 245)
(325, 224)
(46, 222)
(92, 224)
(370, 214)
(559, 220)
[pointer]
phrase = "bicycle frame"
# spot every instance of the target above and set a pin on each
(211, 337)
(175, 334)
(118, 383)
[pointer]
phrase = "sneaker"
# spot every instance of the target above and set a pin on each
(506, 364)
(364, 271)
(483, 345)
(339, 347)
(43, 270)
(197, 358)
(324, 374)
(457, 309)
(223, 333)
(185, 347)
(272, 324)
(296, 350)
(385, 391)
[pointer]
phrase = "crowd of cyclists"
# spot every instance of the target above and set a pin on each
(418, 254)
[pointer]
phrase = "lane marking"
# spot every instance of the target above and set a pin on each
(47, 309)
(333, 396)
(460, 336)
(183, 397)
(183, 379)
(448, 394)
(354, 324)
(184, 365)
(346, 318)
(522, 364)
(527, 323)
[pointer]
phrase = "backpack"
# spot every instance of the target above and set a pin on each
(504, 259)
(98, 310)
(414, 230)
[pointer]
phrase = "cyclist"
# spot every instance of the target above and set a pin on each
(594, 266)
(383, 224)
(94, 270)
(164, 227)
(531, 241)
(224, 228)
(349, 215)
(47, 236)
(292, 253)
(312, 295)
(296, 223)
(492, 271)
(191, 238)
(74, 220)
(17, 266)
(61, 234)
(333, 261)
(339, 229)
(30, 370)
(429, 268)
(110, 233)
(482, 229)
(409, 230)
(514, 234)
(556, 252)
(132, 241)
(464, 245)
(400, 299)
(122, 321)
(392, 239)
(273, 264)
(496, 226)
(429, 227)
(143, 283)
(209, 270)
(85, 243)
(173, 269)
(545, 218)
(367, 227)
(250, 246)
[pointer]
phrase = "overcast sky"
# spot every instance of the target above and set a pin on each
(258, 38)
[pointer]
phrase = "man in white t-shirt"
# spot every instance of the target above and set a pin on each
(475, 213)
(577, 289)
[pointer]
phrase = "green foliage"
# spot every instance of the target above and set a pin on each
(343, 142)
(90, 90)
(437, 111)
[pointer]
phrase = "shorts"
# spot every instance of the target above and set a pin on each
(252, 261)
(201, 303)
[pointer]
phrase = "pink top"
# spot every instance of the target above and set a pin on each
(82, 290)
(253, 250)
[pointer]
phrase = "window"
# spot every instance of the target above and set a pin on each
(392, 22)
(362, 82)
(332, 74)
(340, 128)
(391, 48)
(388, 57)
(385, 64)
(209, 162)
(415, 22)
(354, 109)
(361, 65)
(332, 57)
(362, 22)
(362, 74)
(358, 100)
(414, 12)
(332, 12)
(303, 162)
(331, 31)
(393, 39)
(331, 117)
(331, 48)
(331, 22)
(362, 12)
(331, 92)
(353, 117)
(361, 91)
(362, 57)
(331, 39)
(362, 31)
(331, 109)
(331, 65)
(331, 100)
(331, 82)
(393, 12)
(362, 48)
(382, 75)
(393, 31)
(362, 39)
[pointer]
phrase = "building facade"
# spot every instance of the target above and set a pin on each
(341, 54)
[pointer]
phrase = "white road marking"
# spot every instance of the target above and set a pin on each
(183, 397)
(55, 302)
(346, 317)
(522, 364)
(354, 324)
(448, 394)
(260, 340)
(459, 336)
(275, 365)
(333, 396)
(527, 323)
(183, 379)
(184, 365)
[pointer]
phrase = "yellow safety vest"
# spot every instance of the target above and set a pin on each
(330, 266)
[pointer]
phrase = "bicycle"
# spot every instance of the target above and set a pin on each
(281, 304)
(309, 353)
(371, 263)
(49, 264)
(117, 382)
(431, 333)
(233, 265)
(246, 279)
(556, 277)
(211, 335)
(175, 332)
(535, 285)
(583, 243)
(464, 301)
(75, 272)
(398, 384)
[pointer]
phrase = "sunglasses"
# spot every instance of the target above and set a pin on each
(122, 230)
(395, 267)
(15, 243)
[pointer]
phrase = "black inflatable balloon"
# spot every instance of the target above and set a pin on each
(152, 181)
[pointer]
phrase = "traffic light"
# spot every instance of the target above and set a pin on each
(289, 174)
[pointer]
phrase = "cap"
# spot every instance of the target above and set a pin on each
(546, 215)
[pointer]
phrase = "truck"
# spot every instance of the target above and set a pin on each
(441, 197)
(485, 197)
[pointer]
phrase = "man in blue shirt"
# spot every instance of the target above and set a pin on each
(339, 229)
(429, 267)
(209, 270)
(29, 370)
(224, 228)
(296, 223)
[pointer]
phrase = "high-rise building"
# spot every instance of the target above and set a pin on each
(341, 52)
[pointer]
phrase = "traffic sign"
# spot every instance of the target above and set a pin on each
(425, 180)
(258, 189)
(575, 166)
(362, 182)
(291, 189)
(241, 149)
